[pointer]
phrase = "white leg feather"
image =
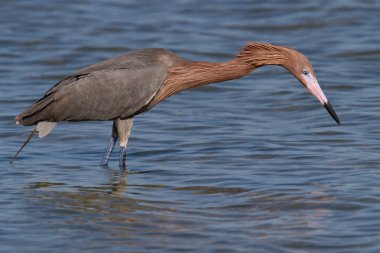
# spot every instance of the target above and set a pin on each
(44, 128)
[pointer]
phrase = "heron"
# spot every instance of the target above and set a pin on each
(123, 87)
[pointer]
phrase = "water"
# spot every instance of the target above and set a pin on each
(250, 165)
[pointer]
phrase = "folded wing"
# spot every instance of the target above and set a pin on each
(98, 95)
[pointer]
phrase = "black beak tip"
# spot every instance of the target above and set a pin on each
(332, 112)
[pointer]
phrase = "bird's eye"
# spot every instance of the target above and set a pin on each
(305, 72)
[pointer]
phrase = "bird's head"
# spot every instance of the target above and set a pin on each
(301, 68)
(260, 54)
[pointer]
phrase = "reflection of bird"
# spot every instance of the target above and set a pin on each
(123, 87)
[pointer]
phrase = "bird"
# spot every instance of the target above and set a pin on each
(123, 87)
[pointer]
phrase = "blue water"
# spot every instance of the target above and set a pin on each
(250, 165)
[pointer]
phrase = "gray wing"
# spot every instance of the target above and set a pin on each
(98, 95)
(135, 60)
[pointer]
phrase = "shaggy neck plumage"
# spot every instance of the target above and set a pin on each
(190, 74)
(261, 54)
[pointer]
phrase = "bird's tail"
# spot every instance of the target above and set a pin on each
(36, 112)
(26, 142)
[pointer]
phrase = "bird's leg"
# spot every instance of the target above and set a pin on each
(110, 146)
(26, 142)
(123, 155)
(123, 128)
(108, 152)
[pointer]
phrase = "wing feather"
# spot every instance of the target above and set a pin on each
(98, 95)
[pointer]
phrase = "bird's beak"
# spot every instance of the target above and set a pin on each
(312, 85)
(332, 112)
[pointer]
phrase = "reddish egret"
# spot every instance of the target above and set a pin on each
(120, 88)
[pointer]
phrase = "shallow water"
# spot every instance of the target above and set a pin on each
(249, 165)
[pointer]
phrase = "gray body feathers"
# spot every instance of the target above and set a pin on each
(116, 88)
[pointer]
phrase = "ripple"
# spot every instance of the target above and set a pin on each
(356, 54)
(211, 190)
(249, 165)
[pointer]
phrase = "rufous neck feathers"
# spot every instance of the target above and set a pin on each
(258, 54)
(190, 74)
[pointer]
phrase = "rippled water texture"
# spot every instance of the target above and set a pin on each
(249, 165)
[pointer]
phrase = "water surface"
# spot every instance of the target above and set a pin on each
(249, 165)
